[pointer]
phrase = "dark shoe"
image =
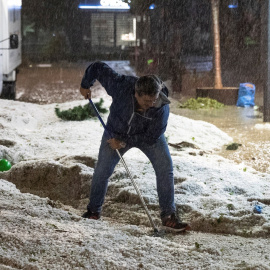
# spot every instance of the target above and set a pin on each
(91, 215)
(173, 223)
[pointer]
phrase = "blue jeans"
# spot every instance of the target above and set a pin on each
(160, 158)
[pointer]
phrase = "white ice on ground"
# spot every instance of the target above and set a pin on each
(213, 194)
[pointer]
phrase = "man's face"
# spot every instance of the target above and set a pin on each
(145, 102)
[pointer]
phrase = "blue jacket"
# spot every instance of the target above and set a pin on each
(123, 121)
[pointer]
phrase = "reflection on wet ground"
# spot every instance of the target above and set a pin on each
(45, 84)
(245, 126)
(58, 83)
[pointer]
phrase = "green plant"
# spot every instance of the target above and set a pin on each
(202, 103)
(233, 146)
(197, 245)
(80, 113)
(219, 220)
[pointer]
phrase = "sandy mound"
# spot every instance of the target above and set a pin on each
(65, 179)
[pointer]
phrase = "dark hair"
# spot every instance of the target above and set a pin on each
(148, 85)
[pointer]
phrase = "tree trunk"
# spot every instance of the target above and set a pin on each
(216, 40)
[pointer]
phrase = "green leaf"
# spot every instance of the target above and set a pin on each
(202, 103)
(233, 146)
(80, 113)
(219, 220)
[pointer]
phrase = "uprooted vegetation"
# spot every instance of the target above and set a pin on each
(201, 103)
(80, 113)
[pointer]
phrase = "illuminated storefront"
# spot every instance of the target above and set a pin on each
(107, 25)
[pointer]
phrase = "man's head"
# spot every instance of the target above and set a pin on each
(147, 90)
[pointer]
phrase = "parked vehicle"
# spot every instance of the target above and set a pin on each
(10, 46)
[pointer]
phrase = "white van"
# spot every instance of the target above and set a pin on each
(10, 46)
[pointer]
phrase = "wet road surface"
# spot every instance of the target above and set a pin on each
(58, 82)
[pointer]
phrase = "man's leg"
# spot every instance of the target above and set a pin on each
(161, 160)
(107, 160)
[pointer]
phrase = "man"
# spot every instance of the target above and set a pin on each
(138, 118)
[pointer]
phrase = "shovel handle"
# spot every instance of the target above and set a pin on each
(99, 117)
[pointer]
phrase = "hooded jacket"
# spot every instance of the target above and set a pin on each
(124, 122)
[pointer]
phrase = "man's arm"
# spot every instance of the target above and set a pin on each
(116, 144)
(85, 92)
(108, 78)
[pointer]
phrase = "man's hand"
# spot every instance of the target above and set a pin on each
(86, 93)
(116, 144)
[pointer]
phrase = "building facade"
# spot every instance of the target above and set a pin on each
(107, 27)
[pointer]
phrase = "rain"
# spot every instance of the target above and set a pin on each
(212, 54)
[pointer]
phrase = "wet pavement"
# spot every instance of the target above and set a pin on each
(58, 83)
(245, 126)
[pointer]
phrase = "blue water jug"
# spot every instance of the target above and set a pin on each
(246, 95)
